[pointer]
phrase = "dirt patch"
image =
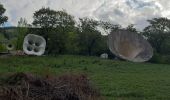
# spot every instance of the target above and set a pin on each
(22, 86)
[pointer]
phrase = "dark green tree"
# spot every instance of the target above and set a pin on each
(157, 32)
(44, 21)
(65, 21)
(131, 28)
(109, 26)
(65, 34)
(71, 43)
(3, 18)
(48, 18)
(44, 18)
(21, 31)
(89, 37)
(55, 26)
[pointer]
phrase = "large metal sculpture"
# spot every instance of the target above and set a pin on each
(130, 46)
(34, 45)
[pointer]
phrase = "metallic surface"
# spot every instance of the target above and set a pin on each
(130, 46)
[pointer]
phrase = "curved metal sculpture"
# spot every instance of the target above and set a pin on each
(130, 46)
(34, 45)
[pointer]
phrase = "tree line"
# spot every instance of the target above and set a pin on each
(65, 36)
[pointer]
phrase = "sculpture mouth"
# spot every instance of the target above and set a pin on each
(36, 50)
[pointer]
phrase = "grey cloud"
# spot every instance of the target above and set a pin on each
(123, 12)
(139, 4)
(118, 12)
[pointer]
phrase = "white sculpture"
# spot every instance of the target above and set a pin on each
(104, 56)
(130, 46)
(10, 46)
(34, 45)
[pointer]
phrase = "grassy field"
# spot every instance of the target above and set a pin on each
(117, 80)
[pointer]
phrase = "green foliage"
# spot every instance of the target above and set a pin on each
(156, 58)
(55, 27)
(3, 48)
(131, 28)
(3, 18)
(160, 59)
(108, 25)
(158, 32)
(21, 32)
(44, 18)
(72, 43)
(89, 38)
(2, 38)
(56, 42)
(2, 44)
(9, 32)
(65, 21)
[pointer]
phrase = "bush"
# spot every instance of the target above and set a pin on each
(160, 59)
(24, 86)
(2, 48)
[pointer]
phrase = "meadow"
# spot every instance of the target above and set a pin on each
(116, 80)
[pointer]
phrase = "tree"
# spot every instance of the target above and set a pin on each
(65, 21)
(3, 18)
(21, 30)
(157, 32)
(44, 21)
(44, 18)
(131, 28)
(71, 44)
(106, 27)
(65, 34)
(89, 38)
(55, 27)
(47, 18)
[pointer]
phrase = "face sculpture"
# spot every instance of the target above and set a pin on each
(130, 46)
(34, 45)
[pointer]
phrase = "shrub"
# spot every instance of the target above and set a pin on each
(23, 86)
(2, 48)
(160, 59)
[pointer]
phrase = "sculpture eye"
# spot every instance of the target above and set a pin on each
(29, 48)
(30, 42)
(37, 44)
(9, 45)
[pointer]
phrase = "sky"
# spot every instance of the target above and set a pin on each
(123, 12)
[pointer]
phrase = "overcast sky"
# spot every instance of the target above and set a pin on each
(121, 12)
